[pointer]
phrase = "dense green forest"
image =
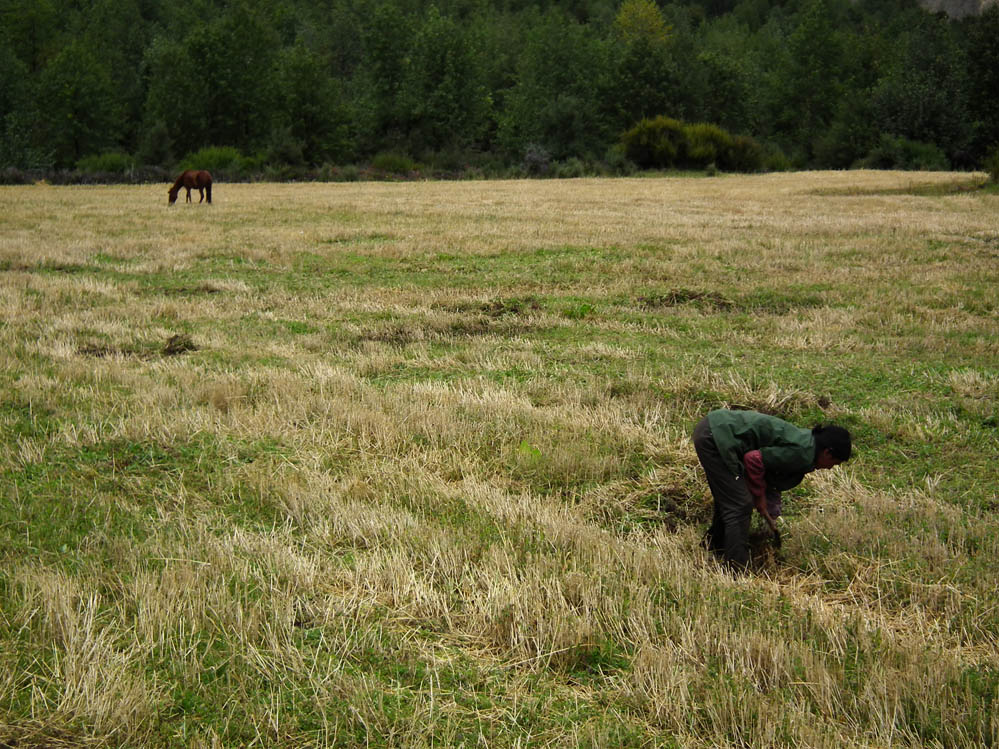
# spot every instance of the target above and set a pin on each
(493, 85)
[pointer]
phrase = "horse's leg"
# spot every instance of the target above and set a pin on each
(188, 194)
(201, 192)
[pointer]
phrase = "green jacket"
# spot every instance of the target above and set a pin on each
(788, 451)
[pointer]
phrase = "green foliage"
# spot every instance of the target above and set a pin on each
(394, 163)
(76, 93)
(893, 152)
(655, 143)
(809, 80)
(555, 103)
(222, 161)
(315, 121)
(726, 95)
(642, 80)
(477, 84)
(444, 91)
(571, 168)
(924, 94)
(745, 154)
(113, 162)
(706, 144)
(641, 19)
(17, 113)
(983, 76)
(665, 143)
(991, 164)
(215, 85)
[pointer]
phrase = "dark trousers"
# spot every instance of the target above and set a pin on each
(733, 513)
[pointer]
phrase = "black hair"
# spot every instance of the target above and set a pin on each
(833, 438)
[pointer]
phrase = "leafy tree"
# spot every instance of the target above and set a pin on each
(216, 86)
(983, 76)
(118, 32)
(345, 79)
(384, 70)
(809, 84)
(554, 103)
(18, 116)
(32, 27)
(311, 109)
(726, 97)
(642, 78)
(643, 81)
(77, 95)
(444, 92)
(174, 121)
(729, 82)
(923, 97)
(641, 19)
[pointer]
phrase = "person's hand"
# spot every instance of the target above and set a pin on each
(761, 506)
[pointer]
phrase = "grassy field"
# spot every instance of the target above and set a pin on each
(409, 465)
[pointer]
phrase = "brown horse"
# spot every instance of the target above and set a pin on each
(192, 178)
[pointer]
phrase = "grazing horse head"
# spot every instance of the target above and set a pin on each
(192, 178)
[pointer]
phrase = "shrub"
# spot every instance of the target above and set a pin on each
(284, 148)
(991, 164)
(744, 154)
(106, 163)
(617, 162)
(537, 160)
(901, 153)
(570, 168)
(655, 143)
(663, 142)
(349, 173)
(225, 161)
(775, 160)
(393, 163)
(706, 144)
(13, 176)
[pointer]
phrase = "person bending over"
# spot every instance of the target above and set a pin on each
(749, 458)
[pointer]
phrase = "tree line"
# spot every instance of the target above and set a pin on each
(492, 85)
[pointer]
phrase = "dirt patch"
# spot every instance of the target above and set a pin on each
(678, 297)
(178, 344)
(461, 326)
(495, 308)
(175, 345)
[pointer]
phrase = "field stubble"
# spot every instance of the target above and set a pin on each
(408, 464)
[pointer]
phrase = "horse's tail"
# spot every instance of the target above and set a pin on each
(208, 191)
